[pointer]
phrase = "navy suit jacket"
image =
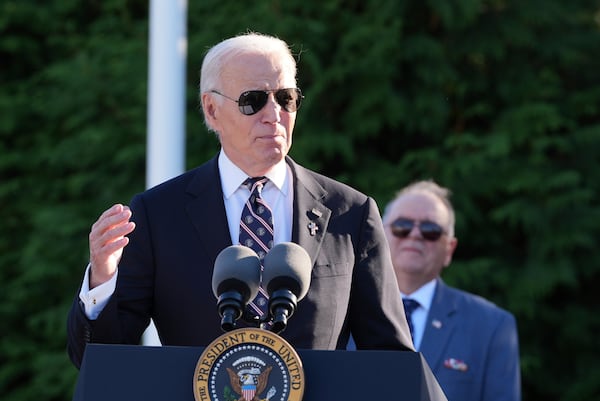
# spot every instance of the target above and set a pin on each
(166, 269)
(472, 347)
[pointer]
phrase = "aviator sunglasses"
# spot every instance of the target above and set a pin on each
(251, 102)
(430, 231)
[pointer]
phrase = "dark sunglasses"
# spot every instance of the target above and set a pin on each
(430, 231)
(251, 102)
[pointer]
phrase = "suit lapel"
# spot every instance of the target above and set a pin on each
(439, 326)
(211, 221)
(311, 216)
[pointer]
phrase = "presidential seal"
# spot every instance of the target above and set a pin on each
(249, 364)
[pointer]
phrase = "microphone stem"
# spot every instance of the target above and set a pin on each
(282, 304)
(280, 319)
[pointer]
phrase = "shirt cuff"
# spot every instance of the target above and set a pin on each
(95, 300)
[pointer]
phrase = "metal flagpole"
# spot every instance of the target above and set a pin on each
(165, 155)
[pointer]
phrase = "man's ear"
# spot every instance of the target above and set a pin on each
(210, 110)
(450, 248)
(208, 105)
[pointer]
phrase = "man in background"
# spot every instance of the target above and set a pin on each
(470, 344)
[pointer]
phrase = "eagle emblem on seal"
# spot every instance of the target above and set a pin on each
(249, 381)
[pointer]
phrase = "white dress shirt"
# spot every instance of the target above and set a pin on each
(277, 193)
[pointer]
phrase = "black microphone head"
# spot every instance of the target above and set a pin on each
(287, 266)
(237, 268)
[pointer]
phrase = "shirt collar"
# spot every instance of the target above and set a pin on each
(424, 295)
(232, 176)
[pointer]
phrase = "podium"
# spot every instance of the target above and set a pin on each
(144, 373)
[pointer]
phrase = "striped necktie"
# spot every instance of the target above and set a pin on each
(256, 232)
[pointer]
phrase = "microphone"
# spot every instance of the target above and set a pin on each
(286, 277)
(235, 281)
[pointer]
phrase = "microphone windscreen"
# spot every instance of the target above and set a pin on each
(287, 266)
(236, 268)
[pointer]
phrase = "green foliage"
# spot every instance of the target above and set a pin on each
(498, 100)
(72, 136)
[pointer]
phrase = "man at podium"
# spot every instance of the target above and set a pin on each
(155, 257)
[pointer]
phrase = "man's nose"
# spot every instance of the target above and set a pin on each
(272, 110)
(415, 232)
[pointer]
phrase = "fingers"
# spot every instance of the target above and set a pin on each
(107, 239)
(110, 227)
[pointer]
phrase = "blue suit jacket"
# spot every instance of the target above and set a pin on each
(181, 226)
(472, 347)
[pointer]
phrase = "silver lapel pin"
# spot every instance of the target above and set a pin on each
(313, 228)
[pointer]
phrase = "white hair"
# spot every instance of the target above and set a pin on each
(430, 187)
(222, 53)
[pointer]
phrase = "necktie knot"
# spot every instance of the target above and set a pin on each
(410, 305)
(255, 183)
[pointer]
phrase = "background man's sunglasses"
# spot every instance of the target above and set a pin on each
(251, 102)
(430, 231)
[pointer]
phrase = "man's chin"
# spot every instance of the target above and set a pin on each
(275, 154)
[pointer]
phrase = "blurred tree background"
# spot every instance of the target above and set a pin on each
(497, 99)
